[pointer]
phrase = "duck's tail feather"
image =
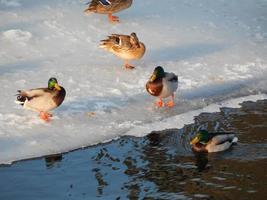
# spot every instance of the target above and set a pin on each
(92, 6)
(21, 98)
(235, 140)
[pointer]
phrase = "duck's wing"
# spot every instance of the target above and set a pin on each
(95, 5)
(92, 6)
(116, 43)
(104, 6)
(110, 2)
(220, 147)
(170, 82)
(171, 77)
(124, 42)
(222, 137)
(105, 2)
(22, 96)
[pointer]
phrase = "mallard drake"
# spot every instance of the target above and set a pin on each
(108, 7)
(42, 100)
(127, 47)
(162, 84)
(213, 142)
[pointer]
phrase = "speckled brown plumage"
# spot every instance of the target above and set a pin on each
(116, 5)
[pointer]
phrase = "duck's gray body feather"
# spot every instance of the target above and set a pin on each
(41, 99)
(170, 85)
(221, 142)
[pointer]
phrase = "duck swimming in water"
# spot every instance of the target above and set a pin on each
(108, 7)
(42, 100)
(213, 142)
(162, 84)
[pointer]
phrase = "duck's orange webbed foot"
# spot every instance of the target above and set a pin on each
(113, 19)
(128, 66)
(170, 104)
(159, 103)
(45, 116)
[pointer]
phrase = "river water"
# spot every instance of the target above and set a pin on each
(158, 166)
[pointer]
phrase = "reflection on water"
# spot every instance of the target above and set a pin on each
(159, 166)
(201, 161)
(53, 160)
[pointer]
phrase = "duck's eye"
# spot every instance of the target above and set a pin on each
(117, 40)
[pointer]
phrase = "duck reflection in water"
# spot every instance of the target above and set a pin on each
(53, 160)
(201, 161)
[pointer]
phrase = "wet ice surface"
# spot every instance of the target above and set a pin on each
(218, 50)
(158, 166)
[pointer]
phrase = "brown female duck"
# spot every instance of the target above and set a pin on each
(108, 7)
(127, 47)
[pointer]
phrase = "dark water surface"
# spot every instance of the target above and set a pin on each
(159, 166)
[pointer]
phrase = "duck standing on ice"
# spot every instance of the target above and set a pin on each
(42, 100)
(108, 7)
(212, 142)
(127, 47)
(162, 85)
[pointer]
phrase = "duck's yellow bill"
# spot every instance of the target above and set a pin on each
(57, 87)
(194, 141)
(153, 77)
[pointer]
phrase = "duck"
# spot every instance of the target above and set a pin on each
(126, 47)
(212, 142)
(108, 7)
(162, 84)
(42, 100)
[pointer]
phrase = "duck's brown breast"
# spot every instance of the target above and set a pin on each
(59, 97)
(154, 88)
(198, 147)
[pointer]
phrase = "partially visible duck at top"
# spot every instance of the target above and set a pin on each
(162, 85)
(212, 142)
(126, 47)
(108, 7)
(42, 100)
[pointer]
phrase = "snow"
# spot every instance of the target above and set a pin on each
(17, 35)
(217, 48)
(188, 117)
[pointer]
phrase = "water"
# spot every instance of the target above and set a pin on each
(158, 166)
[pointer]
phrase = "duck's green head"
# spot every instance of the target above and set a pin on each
(52, 83)
(201, 137)
(157, 74)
